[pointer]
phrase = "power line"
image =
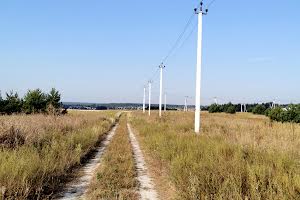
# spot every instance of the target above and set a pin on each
(176, 42)
(187, 38)
(179, 38)
(210, 3)
(151, 78)
(189, 35)
(154, 74)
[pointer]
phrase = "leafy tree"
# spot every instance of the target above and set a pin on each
(267, 112)
(214, 108)
(230, 109)
(53, 98)
(250, 108)
(288, 114)
(291, 114)
(259, 109)
(35, 101)
(276, 114)
(297, 117)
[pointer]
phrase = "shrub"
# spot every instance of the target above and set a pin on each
(228, 108)
(276, 114)
(297, 118)
(231, 109)
(267, 112)
(214, 108)
(289, 114)
(250, 108)
(259, 109)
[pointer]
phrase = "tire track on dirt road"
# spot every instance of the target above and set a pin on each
(76, 189)
(146, 189)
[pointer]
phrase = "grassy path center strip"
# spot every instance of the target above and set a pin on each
(147, 190)
(116, 176)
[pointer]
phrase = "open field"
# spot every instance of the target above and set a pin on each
(116, 176)
(38, 151)
(240, 156)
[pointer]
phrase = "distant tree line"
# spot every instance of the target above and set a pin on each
(157, 108)
(288, 113)
(34, 101)
(227, 108)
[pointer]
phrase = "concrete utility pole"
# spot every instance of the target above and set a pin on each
(165, 108)
(245, 108)
(149, 85)
(161, 66)
(144, 99)
(216, 100)
(185, 104)
(198, 68)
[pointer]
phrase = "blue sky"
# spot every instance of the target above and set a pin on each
(105, 51)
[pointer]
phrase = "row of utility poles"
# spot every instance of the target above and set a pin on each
(199, 11)
(160, 100)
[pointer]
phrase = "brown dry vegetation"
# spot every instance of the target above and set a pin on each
(116, 177)
(239, 156)
(37, 151)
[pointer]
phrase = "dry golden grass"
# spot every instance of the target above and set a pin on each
(242, 128)
(116, 177)
(37, 153)
(239, 156)
(35, 127)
